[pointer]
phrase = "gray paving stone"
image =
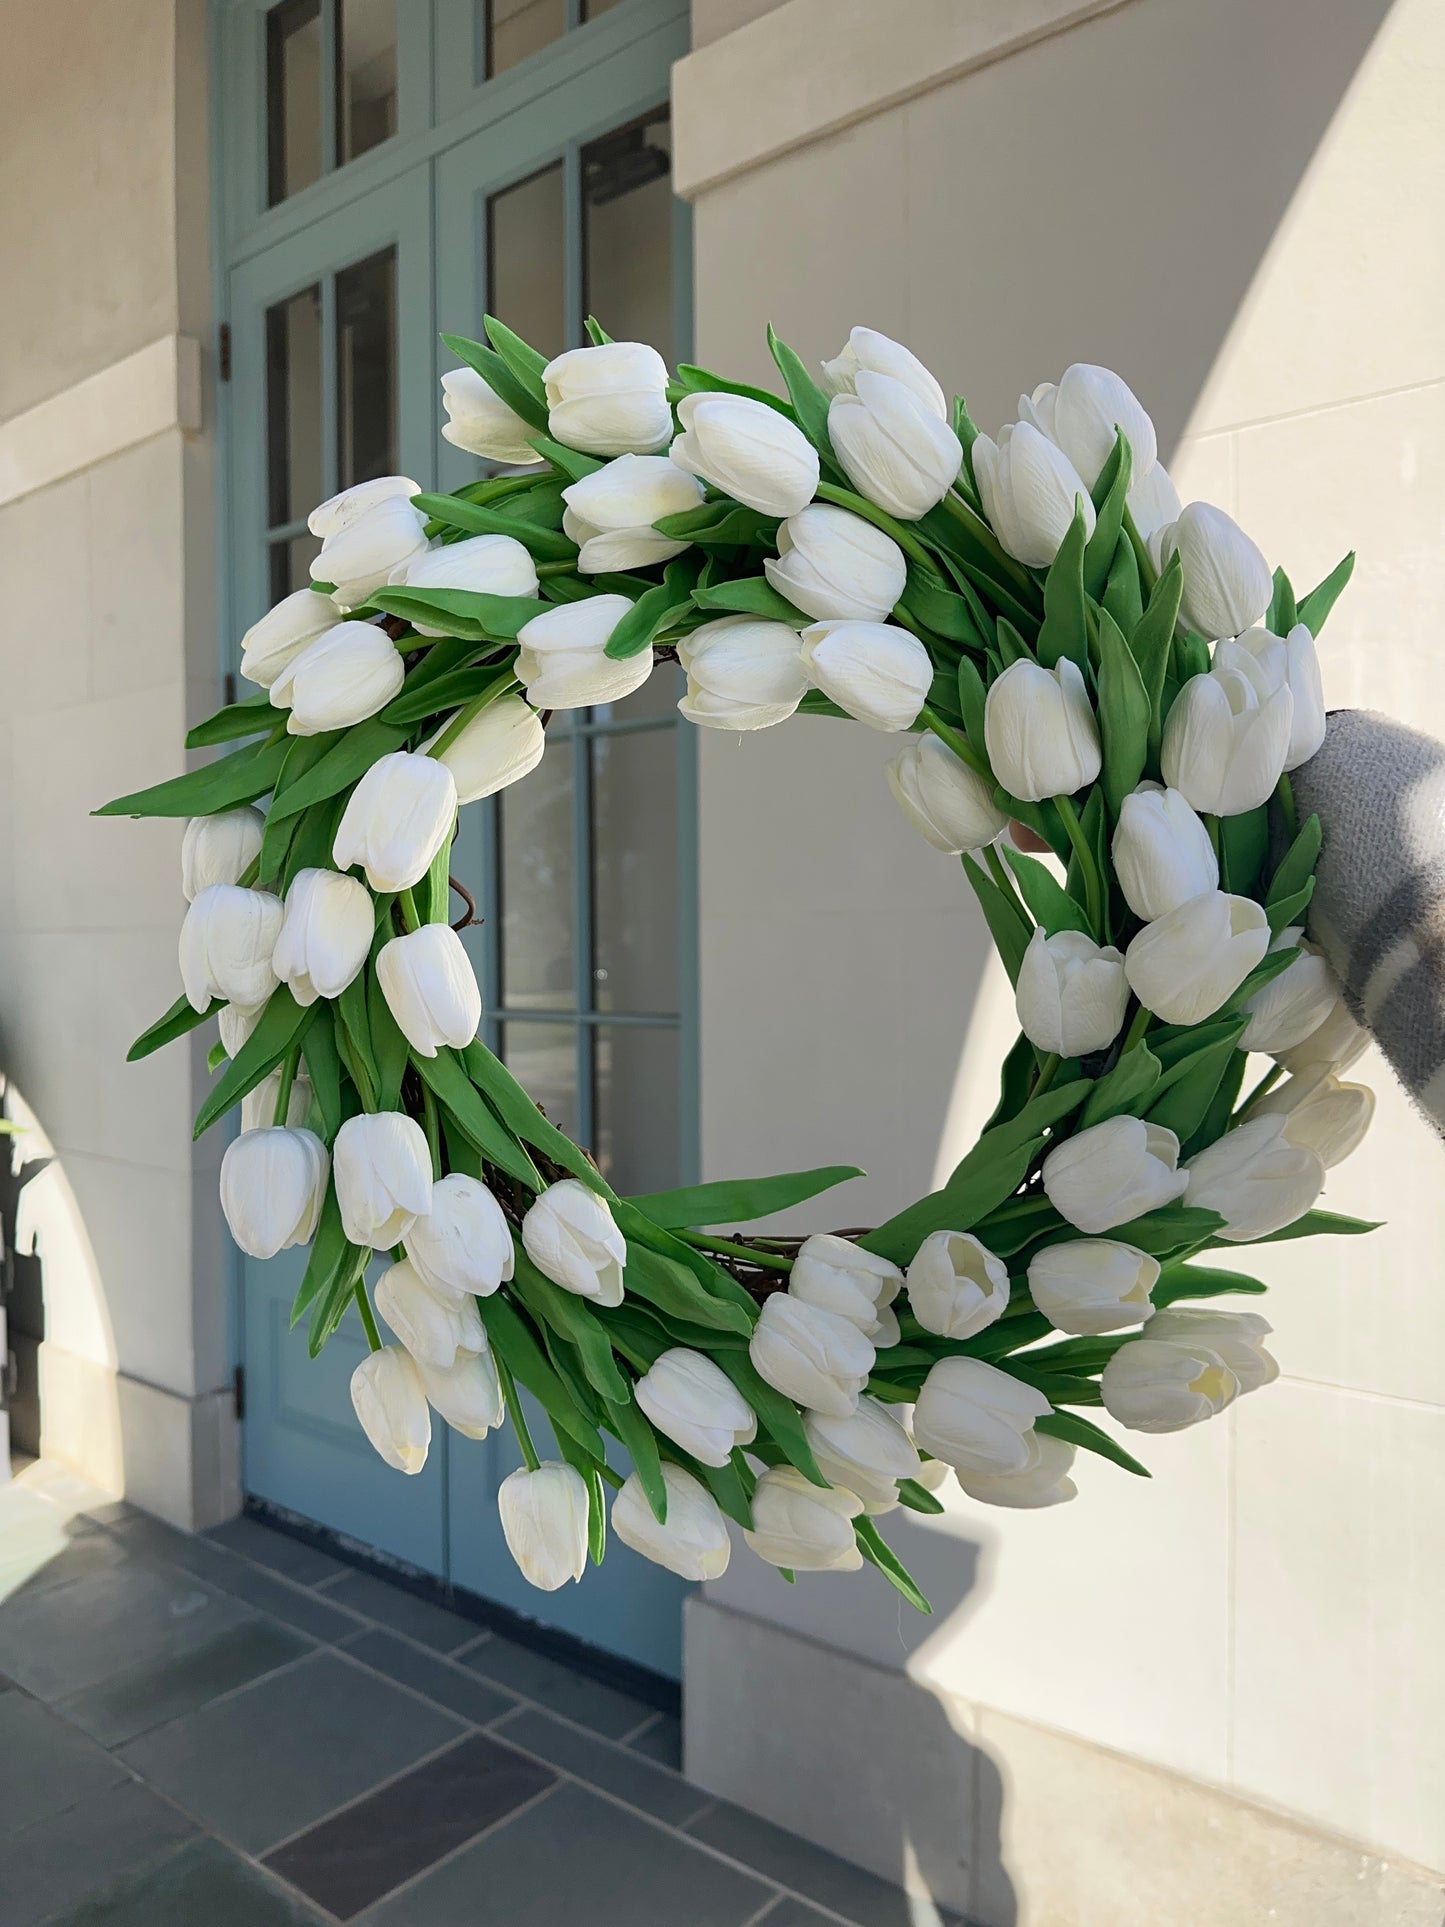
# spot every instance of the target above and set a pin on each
(393, 1606)
(196, 1553)
(292, 1558)
(549, 1683)
(88, 1552)
(278, 1756)
(448, 1684)
(200, 1885)
(131, 1703)
(857, 1895)
(615, 1769)
(60, 1860)
(662, 1741)
(45, 1765)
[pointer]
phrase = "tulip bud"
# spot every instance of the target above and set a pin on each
(479, 422)
(693, 1402)
(485, 564)
(748, 450)
(1162, 852)
(466, 1393)
(813, 1357)
(340, 679)
(226, 944)
(610, 400)
(499, 746)
(383, 1177)
(836, 1275)
(462, 1248)
(1112, 1172)
(325, 935)
(1321, 1114)
(741, 674)
(258, 1106)
(1283, 662)
(1082, 414)
(562, 657)
(836, 567)
(433, 1328)
(544, 1520)
(1153, 500)
(389, 1400)
(283, 632)
(956, 1286)
(340, 511)
(1030, 491)
(977, 1418)
(1291, 1005)
(879, 673)
(1227, 582)
(359, 557)
(396, 819)
(1255, 1178)
(693, 1542)
(942, 797)
(866, 1453)
(1183, 966)
(219, 849)
(235, 1022)
(273, 1185)
(610, 513)
(866, 351)
(1086, 1286)
(1043, 1480)
(1235, 1337)
(1224, 747)
(896, 451)
(801, 1526)
(1071, 993)
(1153, 1385)
(430, 988)
(569, 1233)
(1040, 732)
(1336, 1042)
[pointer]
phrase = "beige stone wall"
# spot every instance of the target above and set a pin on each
(1241, 207)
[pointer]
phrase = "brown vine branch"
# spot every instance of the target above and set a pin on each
(466, 922)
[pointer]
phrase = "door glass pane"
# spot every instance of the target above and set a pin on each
(293, 407)
(293, 97)
(591, 8)
(291, 560)
(516, 29)
(365, 75)
(366, 412)
(627, 209)
(636, 1117)
(538, 903)
(634, 871)
(658, 697)
(543, 1059)
(525, 254)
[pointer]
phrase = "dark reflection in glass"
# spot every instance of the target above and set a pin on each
(291, 564)
(538, 902)
(634, 871)
(627, 237)
(636, 1107)
(543, 1059)
(366, 389)
(365, 76)
(293, 407)
(591, 8)
(517, 29)
(293, 98)
(526, 249)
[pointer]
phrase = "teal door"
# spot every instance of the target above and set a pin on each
(364, 212)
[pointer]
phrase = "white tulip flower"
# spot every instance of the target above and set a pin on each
(693, 1542)
(430, 988)
(340, 511)
(836, 567)
(977, 1418)
(462, 1248)
(389, 1399)
(219, 849)
(866, 1453)
(609, 400)
(1162, 852)
(801, 1526)
(813, 1357)
(235, 1022)
(480, 422)
(1224, 746)
(226, 943)
(839, 1276)
(1040, 731)
(383, 1175)
(433, 1328)
(396, 819)
(1042, 1480)
(326, 933)
(1227, 582)
(693, 1402)
(467, 1393)
(258, 1106)
(501, 744)
(563, 661)
(879, 673)
(1285, 1011)
(283, 632)
(1112, 1172)
(956, 1286)
(896, 451)
(1153, 500)
(610, 513)
(1158, 1385)
(544, 1521)
(1337, 1041)
(748, 450)
(1283, 662)
(1256, 1178)
(569, 1234)
(273, 1185)
(1321, 1113)
(1030, 491)
(866, 351)
(1236, 1337)
(1071, 993)
(1082, 413)
(1085, 1286)
(346, 675)
(484, 564)
(742, 673)
(1183, 966)
(949, 805)
(361, 555)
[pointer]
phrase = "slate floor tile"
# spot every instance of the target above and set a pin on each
(61, 1859)
(857, 1895)
(197, 1553)
(536, 1677)
(360, 1855)
(280, 1754)
(26, 1572)
(420, 1619)
(201, 1885)
(449, 1685)
(614, 1769)
(662, 1741)
(575, 1856)
(131, 1703)
(45, 1765)
(302, 1564)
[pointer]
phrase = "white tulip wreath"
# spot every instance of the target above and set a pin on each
(1066, 650)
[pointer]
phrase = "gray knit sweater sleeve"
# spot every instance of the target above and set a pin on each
(1378, 911)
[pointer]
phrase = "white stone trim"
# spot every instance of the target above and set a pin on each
(811, 67)
(156, 388)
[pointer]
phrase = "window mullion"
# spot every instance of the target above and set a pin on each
(330, 81)
(582, 923)
(574, 291)
(330, 371)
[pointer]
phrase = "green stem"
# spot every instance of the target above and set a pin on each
(469, 712)
(614, 1479)
(909, 543)
(1069, 817)
(432, 1125)
(410, 915)
(1270, 1078)
(515, 1414)
(982, 534)
(956, 741)
(730, 1250)
(288, 1078)
(1136, 1029)
(368, 1319)
(1048, 1069)
(556, 568)
(1211, 825)
(1285, 793)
